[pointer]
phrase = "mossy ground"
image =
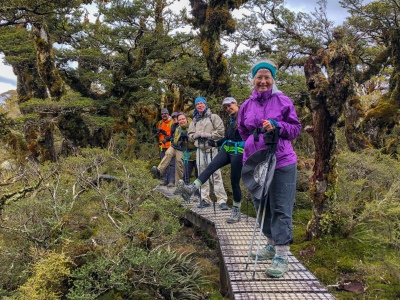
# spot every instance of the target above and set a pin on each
(333, 259)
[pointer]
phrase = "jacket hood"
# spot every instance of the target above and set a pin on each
(263, 96)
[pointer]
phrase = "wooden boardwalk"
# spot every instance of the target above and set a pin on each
(234, 241)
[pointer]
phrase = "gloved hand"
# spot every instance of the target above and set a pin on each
(164, 141)
(184, 135)
(196, 135)
(162, 131)
(212, 143)
(206, 135)
(156, 131)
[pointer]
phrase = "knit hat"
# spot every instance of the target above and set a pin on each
(174, 114)
(200, 99)
(264, 65)
(164, 111)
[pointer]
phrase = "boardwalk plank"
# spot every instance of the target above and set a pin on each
(234, 241)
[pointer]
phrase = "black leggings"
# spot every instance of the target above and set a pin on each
(222, 159)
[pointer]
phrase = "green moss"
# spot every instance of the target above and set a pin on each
(384, 111)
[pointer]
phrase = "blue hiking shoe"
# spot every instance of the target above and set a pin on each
(203, 204)
(268, 252)
(278, 267)
(223, 206)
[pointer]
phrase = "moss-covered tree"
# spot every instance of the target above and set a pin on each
(213, 18)
(378, 23)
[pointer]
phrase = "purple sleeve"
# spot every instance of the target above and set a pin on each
(290, 124)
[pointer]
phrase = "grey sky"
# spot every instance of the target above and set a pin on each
(8, 80)
(335, 12)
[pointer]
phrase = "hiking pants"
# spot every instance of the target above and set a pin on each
(222, 159)
(203, 158)
(167, 165)
(279, 206)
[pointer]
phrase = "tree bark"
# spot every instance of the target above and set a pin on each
(212, 19)
(329, 95)
(46, 62)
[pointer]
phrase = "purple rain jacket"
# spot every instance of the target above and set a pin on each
(271, 104)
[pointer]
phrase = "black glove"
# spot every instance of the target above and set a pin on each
(184, 135)
(156, 131)
(164, 141)
(163, 131)
(212, 143)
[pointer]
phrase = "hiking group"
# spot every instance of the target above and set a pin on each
(257, 145)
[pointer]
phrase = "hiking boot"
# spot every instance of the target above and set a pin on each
(268, 252)
(171, 184)
(278, 267)
(187, 191)
(163, 183)
(203, 204)
(235, 215)
(223, 206)
(156, 173)
(179, 187)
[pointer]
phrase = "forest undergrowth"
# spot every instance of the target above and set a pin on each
(68, 231)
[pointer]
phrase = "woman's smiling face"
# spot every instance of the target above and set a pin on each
(231, 108)
(263, 80)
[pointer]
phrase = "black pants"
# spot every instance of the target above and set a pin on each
(222, 159)
(279, 206)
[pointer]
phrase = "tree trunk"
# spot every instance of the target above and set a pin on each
(29, 84)
(328, 96)
(212, 19)
(46, 63)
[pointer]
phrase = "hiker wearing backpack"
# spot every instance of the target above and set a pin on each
(164, 127)
(205, 127)
(231, 152)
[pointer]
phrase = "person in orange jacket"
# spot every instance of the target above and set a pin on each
(164, 133)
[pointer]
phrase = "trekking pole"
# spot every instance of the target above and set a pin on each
(212, 177)
(198, 157)
(185, 163)
(262, 221)
(210, 181)
(253, 235)
(259, 236)
(247, 208)
(271, 140)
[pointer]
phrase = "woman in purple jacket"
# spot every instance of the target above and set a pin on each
(268, 103)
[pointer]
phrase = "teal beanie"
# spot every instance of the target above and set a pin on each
(264, 65)
(200, 99)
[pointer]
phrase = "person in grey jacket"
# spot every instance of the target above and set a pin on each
(204, 127)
